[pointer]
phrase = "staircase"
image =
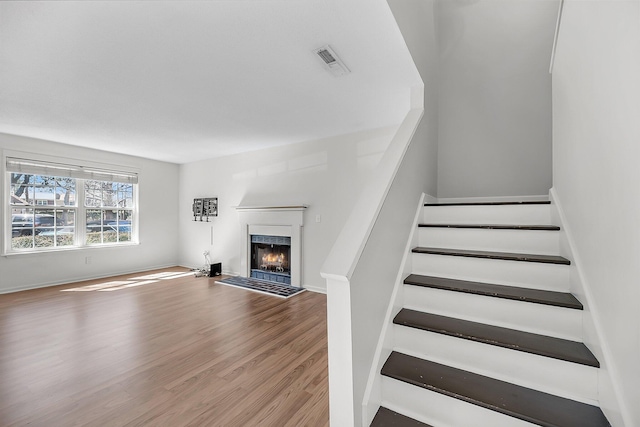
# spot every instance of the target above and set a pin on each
(488, 334)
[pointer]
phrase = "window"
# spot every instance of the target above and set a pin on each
(54, 206)
(109, 209)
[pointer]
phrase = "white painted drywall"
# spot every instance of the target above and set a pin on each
(417, 22)
(327, 175)
(596, 98)
(495, 97)
(158, 192)
(596, 148)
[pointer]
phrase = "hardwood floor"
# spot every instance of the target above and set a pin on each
(139, 350)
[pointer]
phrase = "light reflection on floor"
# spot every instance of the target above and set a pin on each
(116, 285)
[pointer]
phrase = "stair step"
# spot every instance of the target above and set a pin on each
(388, 418)
(487, 213)
(570, 380)
(540, 202)
(508, 256)
(516, 401)
(551, 277)
(481, 238)
(495, 226)
(542, 345)
(557, 299)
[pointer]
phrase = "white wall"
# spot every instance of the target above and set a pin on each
(495, 97)
(417, 21)
(327, 175)
(596, 148)
(158, 191)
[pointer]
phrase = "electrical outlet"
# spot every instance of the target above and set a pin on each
(87, 260)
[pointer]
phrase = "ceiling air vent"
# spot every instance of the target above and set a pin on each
(331, 61)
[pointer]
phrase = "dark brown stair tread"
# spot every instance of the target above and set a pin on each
(557, 299)
(495, 226)
(520, 402)
(388, 418)
(542, 345)
(508, 256)
(540, 202)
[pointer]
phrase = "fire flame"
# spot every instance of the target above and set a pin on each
(272, 258)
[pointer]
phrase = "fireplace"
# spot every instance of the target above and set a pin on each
(271, 258)
(271, 243)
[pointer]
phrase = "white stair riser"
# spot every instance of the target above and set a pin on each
(442, 410)
(505, 214)
(512, 273)
(529, 317)
(540, 242)
(565, 379)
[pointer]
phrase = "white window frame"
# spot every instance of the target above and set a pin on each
(85, 209)
(81, 172)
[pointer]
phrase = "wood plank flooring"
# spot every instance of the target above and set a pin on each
(145, 350)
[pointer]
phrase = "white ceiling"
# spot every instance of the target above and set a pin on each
(181, 81)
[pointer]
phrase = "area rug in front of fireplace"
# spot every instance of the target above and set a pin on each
(271, 288)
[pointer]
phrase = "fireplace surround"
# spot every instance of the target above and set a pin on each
(275, 235)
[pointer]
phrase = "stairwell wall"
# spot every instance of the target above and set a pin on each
(418, 25)
(494, 97)
(596, 105)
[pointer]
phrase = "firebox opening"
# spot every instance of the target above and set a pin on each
(270, 258)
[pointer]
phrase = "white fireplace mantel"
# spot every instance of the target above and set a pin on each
(272, 221)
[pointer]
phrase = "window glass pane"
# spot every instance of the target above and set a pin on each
(65, 192)
(44, 241)
(125, 195)
(21, 228)
(123, 225)
(109, 194)
(66, 217)
(54, 228)
(21, 189)
(93, 193)
(94, 227)
(44, 190)
(45, 224)
(65, 227)
(110, 228)
(22, 194)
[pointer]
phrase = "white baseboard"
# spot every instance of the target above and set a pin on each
(230, 273)
(428, 198)
(532, 198)
(82, 279)
(315, 289)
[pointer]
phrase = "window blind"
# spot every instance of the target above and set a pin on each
(37, 167)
